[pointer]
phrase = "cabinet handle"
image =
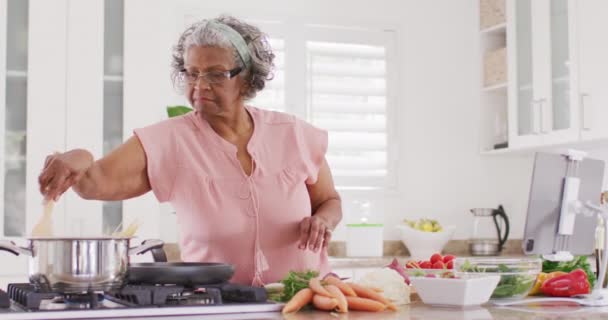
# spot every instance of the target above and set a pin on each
(536, 116)
(541, 106)
(584, 112)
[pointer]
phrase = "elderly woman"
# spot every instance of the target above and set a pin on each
(251, 187)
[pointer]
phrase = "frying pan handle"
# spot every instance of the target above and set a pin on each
(159, 255)
(11, 247)
(146, 246)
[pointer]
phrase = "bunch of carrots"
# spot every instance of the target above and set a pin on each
(331, 294)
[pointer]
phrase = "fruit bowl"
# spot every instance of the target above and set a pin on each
(423, 244)
(517, 275)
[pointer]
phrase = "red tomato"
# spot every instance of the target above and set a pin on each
(426, 265)
(439, 265)
(447, 258)
(436, 257)
(450, 264)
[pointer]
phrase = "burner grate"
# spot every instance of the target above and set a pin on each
(196, 296)
(26, 295)
(147, 294)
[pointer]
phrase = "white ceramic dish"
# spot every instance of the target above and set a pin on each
(461, 292)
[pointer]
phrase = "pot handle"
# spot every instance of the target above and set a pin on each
(146, 246)
(11, 247)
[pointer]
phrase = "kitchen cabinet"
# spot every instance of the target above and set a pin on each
(593, 68)
(32, 113)
(554, 75)
(543, 99)
(61, 87)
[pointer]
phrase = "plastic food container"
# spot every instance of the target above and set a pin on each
(517, 275)
(364, 240)
(468, 291)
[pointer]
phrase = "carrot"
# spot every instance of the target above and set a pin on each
(364, 292)
(363, 304)
(300, 299)
(315, 285)
(324, 303)
(346, 290)
(339, 296)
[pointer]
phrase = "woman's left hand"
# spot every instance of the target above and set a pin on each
(314, 233)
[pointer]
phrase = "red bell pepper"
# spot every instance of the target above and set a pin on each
(567, 285)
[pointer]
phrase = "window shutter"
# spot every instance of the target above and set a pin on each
(347, 92)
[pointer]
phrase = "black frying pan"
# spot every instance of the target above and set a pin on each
(180, 273)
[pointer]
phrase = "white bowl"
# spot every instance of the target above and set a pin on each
(421, 244)
(455, 292)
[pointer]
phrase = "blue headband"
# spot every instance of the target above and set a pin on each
(235, 39)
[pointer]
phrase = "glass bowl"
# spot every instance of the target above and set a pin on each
(436, 273)
(517, 275)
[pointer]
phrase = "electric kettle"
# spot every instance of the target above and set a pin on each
(490, 231)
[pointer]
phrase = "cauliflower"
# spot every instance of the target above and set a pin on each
(390, 282)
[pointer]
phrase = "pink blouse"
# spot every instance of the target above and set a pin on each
(251, 222)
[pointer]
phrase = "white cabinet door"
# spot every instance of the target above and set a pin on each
(559, 99)
(543, 104)
(147, 88)
(523, 113)
(32, 109)
(593, 68)
(84, 103)
(13, 130)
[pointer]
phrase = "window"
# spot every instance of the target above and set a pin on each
(339, 79)
(347, 97)
(273, 95)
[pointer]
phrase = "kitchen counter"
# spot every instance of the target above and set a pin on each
(417, 310)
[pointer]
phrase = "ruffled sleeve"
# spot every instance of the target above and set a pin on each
(159, 143)
(312, 143)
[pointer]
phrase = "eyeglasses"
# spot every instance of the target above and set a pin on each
(212, 77)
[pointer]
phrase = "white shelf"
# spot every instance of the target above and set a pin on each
(499, 29)
(112, 78)
(590, 145)
(496, 88)
(16, 73)
(496, 151)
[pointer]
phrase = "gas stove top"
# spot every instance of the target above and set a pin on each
(24, 301)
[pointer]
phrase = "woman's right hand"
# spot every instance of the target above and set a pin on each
(63, 170)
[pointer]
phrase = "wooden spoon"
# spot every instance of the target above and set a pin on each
(44, 227)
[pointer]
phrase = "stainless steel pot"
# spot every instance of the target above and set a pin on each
(77, 265)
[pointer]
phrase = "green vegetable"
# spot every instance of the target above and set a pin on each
(579, 262)
(513, 285)
(174, 111)
(294, 282)
(510, 285)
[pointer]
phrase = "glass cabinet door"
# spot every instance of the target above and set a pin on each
(560, 64)
(113, 98)
(14, 118)
(526, 108)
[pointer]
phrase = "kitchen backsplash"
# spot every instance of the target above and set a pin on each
(391, 248)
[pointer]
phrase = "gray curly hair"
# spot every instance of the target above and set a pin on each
(262, 57)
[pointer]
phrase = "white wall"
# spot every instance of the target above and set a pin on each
(441, 173)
